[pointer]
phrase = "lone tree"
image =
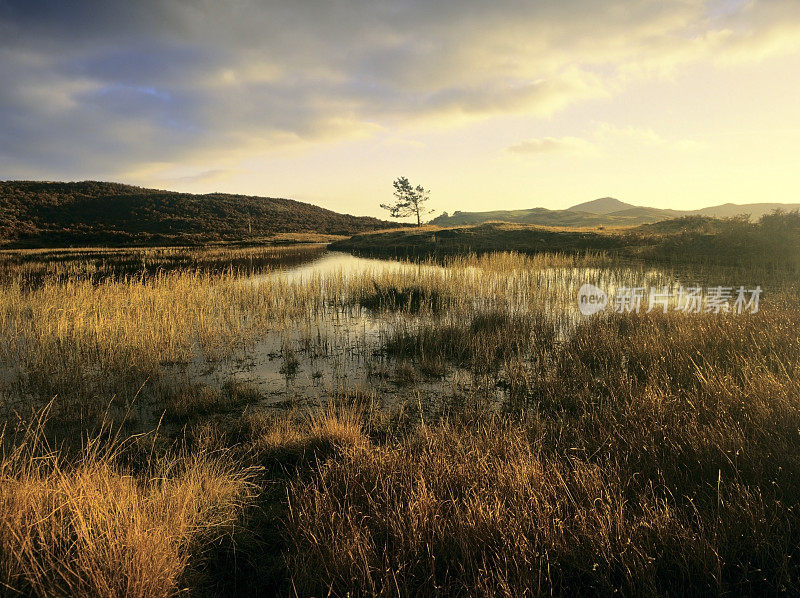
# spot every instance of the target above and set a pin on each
(409, 200)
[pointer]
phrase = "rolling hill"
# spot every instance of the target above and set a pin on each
(604, 205)
(756, 210)
(541, 216)
(772, 241)
(37, 214)
(605, 211)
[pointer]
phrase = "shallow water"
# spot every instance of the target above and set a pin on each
(333, 349)
(340, 349)
(332, 263)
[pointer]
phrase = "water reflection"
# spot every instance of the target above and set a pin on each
(339, 348)
(337, 263)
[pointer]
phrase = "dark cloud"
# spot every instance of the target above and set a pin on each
(96, 87)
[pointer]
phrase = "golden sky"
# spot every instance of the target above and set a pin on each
(673, 103)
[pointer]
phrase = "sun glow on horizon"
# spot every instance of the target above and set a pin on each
(671, 104)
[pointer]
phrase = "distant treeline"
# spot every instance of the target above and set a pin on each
(45, 214)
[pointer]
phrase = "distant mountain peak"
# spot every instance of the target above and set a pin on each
(604, 205)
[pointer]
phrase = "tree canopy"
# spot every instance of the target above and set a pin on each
(409, 200)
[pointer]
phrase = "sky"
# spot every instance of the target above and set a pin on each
(491, 105)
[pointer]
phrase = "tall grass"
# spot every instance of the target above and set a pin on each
(645, 454)
(92, 527)
(38, 265)
(83, 338)
(657, 455)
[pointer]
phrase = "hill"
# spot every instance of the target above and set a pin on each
(604, 205)
(605, 211)
(37, 214)
(629, 216)
(541, 216)
(755, 210)
(774, 240)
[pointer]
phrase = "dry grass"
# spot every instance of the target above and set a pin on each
(86, 341)
(659, 457)
(639, 454)
(91, 528)
(34, 266)
(484, 510)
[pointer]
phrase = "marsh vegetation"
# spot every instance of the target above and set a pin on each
(773, 241)
(241, 421)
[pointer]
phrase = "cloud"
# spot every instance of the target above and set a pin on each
(605, 137)
(640, 137)
(548, 145)
(93, 87)
(637, 135)
(216, 174)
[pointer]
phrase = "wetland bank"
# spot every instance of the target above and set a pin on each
(302, 421)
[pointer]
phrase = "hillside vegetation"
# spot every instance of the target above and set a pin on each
(45, 214)
(543, 217)
(606, 211)
(774, 239)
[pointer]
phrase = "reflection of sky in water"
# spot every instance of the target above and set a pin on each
(339, 349)
(335, 262)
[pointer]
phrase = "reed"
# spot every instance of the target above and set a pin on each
(656, 455)
(92, 527)
(649, 454)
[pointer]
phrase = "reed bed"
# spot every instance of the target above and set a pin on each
(657, 455)
(39, 265)
(81, 336)
(641, 454)
(92, 526)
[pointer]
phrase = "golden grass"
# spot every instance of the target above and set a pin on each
(95, 263)
(483, 510)
(659, 457)
(77, 337)
(644, 454)
(90, 528)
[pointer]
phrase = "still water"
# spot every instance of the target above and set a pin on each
(339, 351)
(335, 263)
